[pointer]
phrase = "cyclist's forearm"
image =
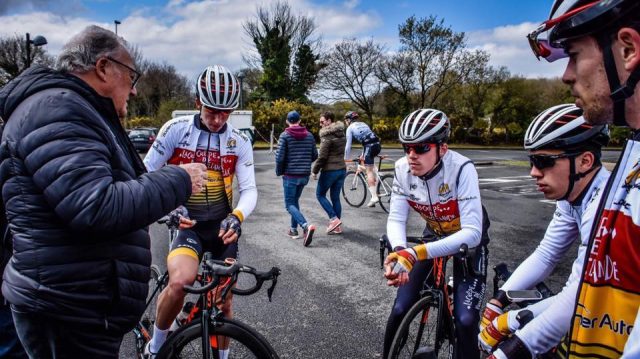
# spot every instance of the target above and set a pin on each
(247, 202)
(397, 221)
(531, 272)
(451, 244)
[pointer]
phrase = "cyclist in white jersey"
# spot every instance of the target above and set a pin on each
(442, 186)
(213, 224)
(361, 132)
(564, 152)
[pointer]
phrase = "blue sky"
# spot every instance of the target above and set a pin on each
(192, 34)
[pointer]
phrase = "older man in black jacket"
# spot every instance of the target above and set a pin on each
(78, 201)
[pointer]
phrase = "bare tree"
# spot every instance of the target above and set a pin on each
(13, 57)
(397, 72)
(350, 73)
(438, 53)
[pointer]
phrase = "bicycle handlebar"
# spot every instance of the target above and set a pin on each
(219, 269)
(463, 252)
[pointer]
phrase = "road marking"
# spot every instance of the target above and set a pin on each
(507, 179)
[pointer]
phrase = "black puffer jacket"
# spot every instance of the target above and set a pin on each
(78, 202)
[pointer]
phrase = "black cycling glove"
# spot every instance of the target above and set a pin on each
(231, 222)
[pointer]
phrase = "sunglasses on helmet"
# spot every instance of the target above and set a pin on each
(542, 47)
(418, 148)
(547, 161)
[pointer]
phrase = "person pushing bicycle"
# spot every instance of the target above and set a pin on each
(564, 153)
(205, 138)
(442, 186)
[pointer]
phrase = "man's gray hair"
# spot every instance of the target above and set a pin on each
(82, 52)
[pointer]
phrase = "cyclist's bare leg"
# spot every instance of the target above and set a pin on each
(371, 175)
(227, 310)
(182, 271)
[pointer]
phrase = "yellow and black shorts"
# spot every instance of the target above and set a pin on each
(201, 238)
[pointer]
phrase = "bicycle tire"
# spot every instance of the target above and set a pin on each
(437, 332)
(354, 189)
(244, 342)
(384, 191)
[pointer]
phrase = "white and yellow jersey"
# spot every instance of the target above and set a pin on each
(226, 154)
(448, 200)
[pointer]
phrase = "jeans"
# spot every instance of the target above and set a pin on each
(293, 187)
(10, 346)
(48, 338)
(331, 180)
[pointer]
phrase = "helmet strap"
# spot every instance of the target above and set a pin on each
(619, 93)
(436, 166)
(574, 177)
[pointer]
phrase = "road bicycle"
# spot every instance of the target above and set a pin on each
(355, 187)
(204, 338)
(187, 341)
(428, 328)
(427, 331)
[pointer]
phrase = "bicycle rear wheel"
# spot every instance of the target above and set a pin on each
(425, 332)
(244, 342)
(354, 189)
(384, 191)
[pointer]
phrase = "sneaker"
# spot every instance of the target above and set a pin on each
(373, 202)
(338, 230)
(333, 224)
(308, 235)
(293, 233)
(147, 352)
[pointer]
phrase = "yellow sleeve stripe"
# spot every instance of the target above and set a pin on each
(183, 251)
(238, 214)
(421, 251)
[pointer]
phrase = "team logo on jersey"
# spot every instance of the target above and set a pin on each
(444, 190)
(413, 186)
(231, 143)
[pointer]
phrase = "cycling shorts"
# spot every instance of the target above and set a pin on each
(201, 238)
(370, 152)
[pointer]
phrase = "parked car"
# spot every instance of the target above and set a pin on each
(143, 137)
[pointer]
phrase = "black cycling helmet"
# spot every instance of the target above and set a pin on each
(563, 127)
(425, 126)
(351, 116)
(571, 19)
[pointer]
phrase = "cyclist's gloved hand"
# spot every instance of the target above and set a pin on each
(494, 308)
(498, 330)
(398, 264)
(179, 218)
(512, 348)
(230, 229)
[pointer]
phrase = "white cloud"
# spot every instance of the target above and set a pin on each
(191, 35)
(508, 47)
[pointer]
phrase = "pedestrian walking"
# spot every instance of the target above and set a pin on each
(332, 168)
(296, 151)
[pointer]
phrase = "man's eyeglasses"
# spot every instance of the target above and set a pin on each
(547, 161)
(541, 47)
(418, 148)
(133, 74)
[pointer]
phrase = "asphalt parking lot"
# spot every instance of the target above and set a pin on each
(331, 300)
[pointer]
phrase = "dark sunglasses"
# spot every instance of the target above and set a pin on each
(133, 74)
(547, 161)
(541, 47)
(418, 148)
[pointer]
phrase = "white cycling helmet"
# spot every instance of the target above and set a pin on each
(563, 127)
(425, 126)
(218, 88)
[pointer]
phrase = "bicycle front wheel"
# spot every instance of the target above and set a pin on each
(354, 189)
(424, 332)
(243, 342)
(384, 191)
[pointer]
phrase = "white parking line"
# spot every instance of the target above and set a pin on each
(504, 179)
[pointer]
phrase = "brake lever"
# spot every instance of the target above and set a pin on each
(275, 272)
